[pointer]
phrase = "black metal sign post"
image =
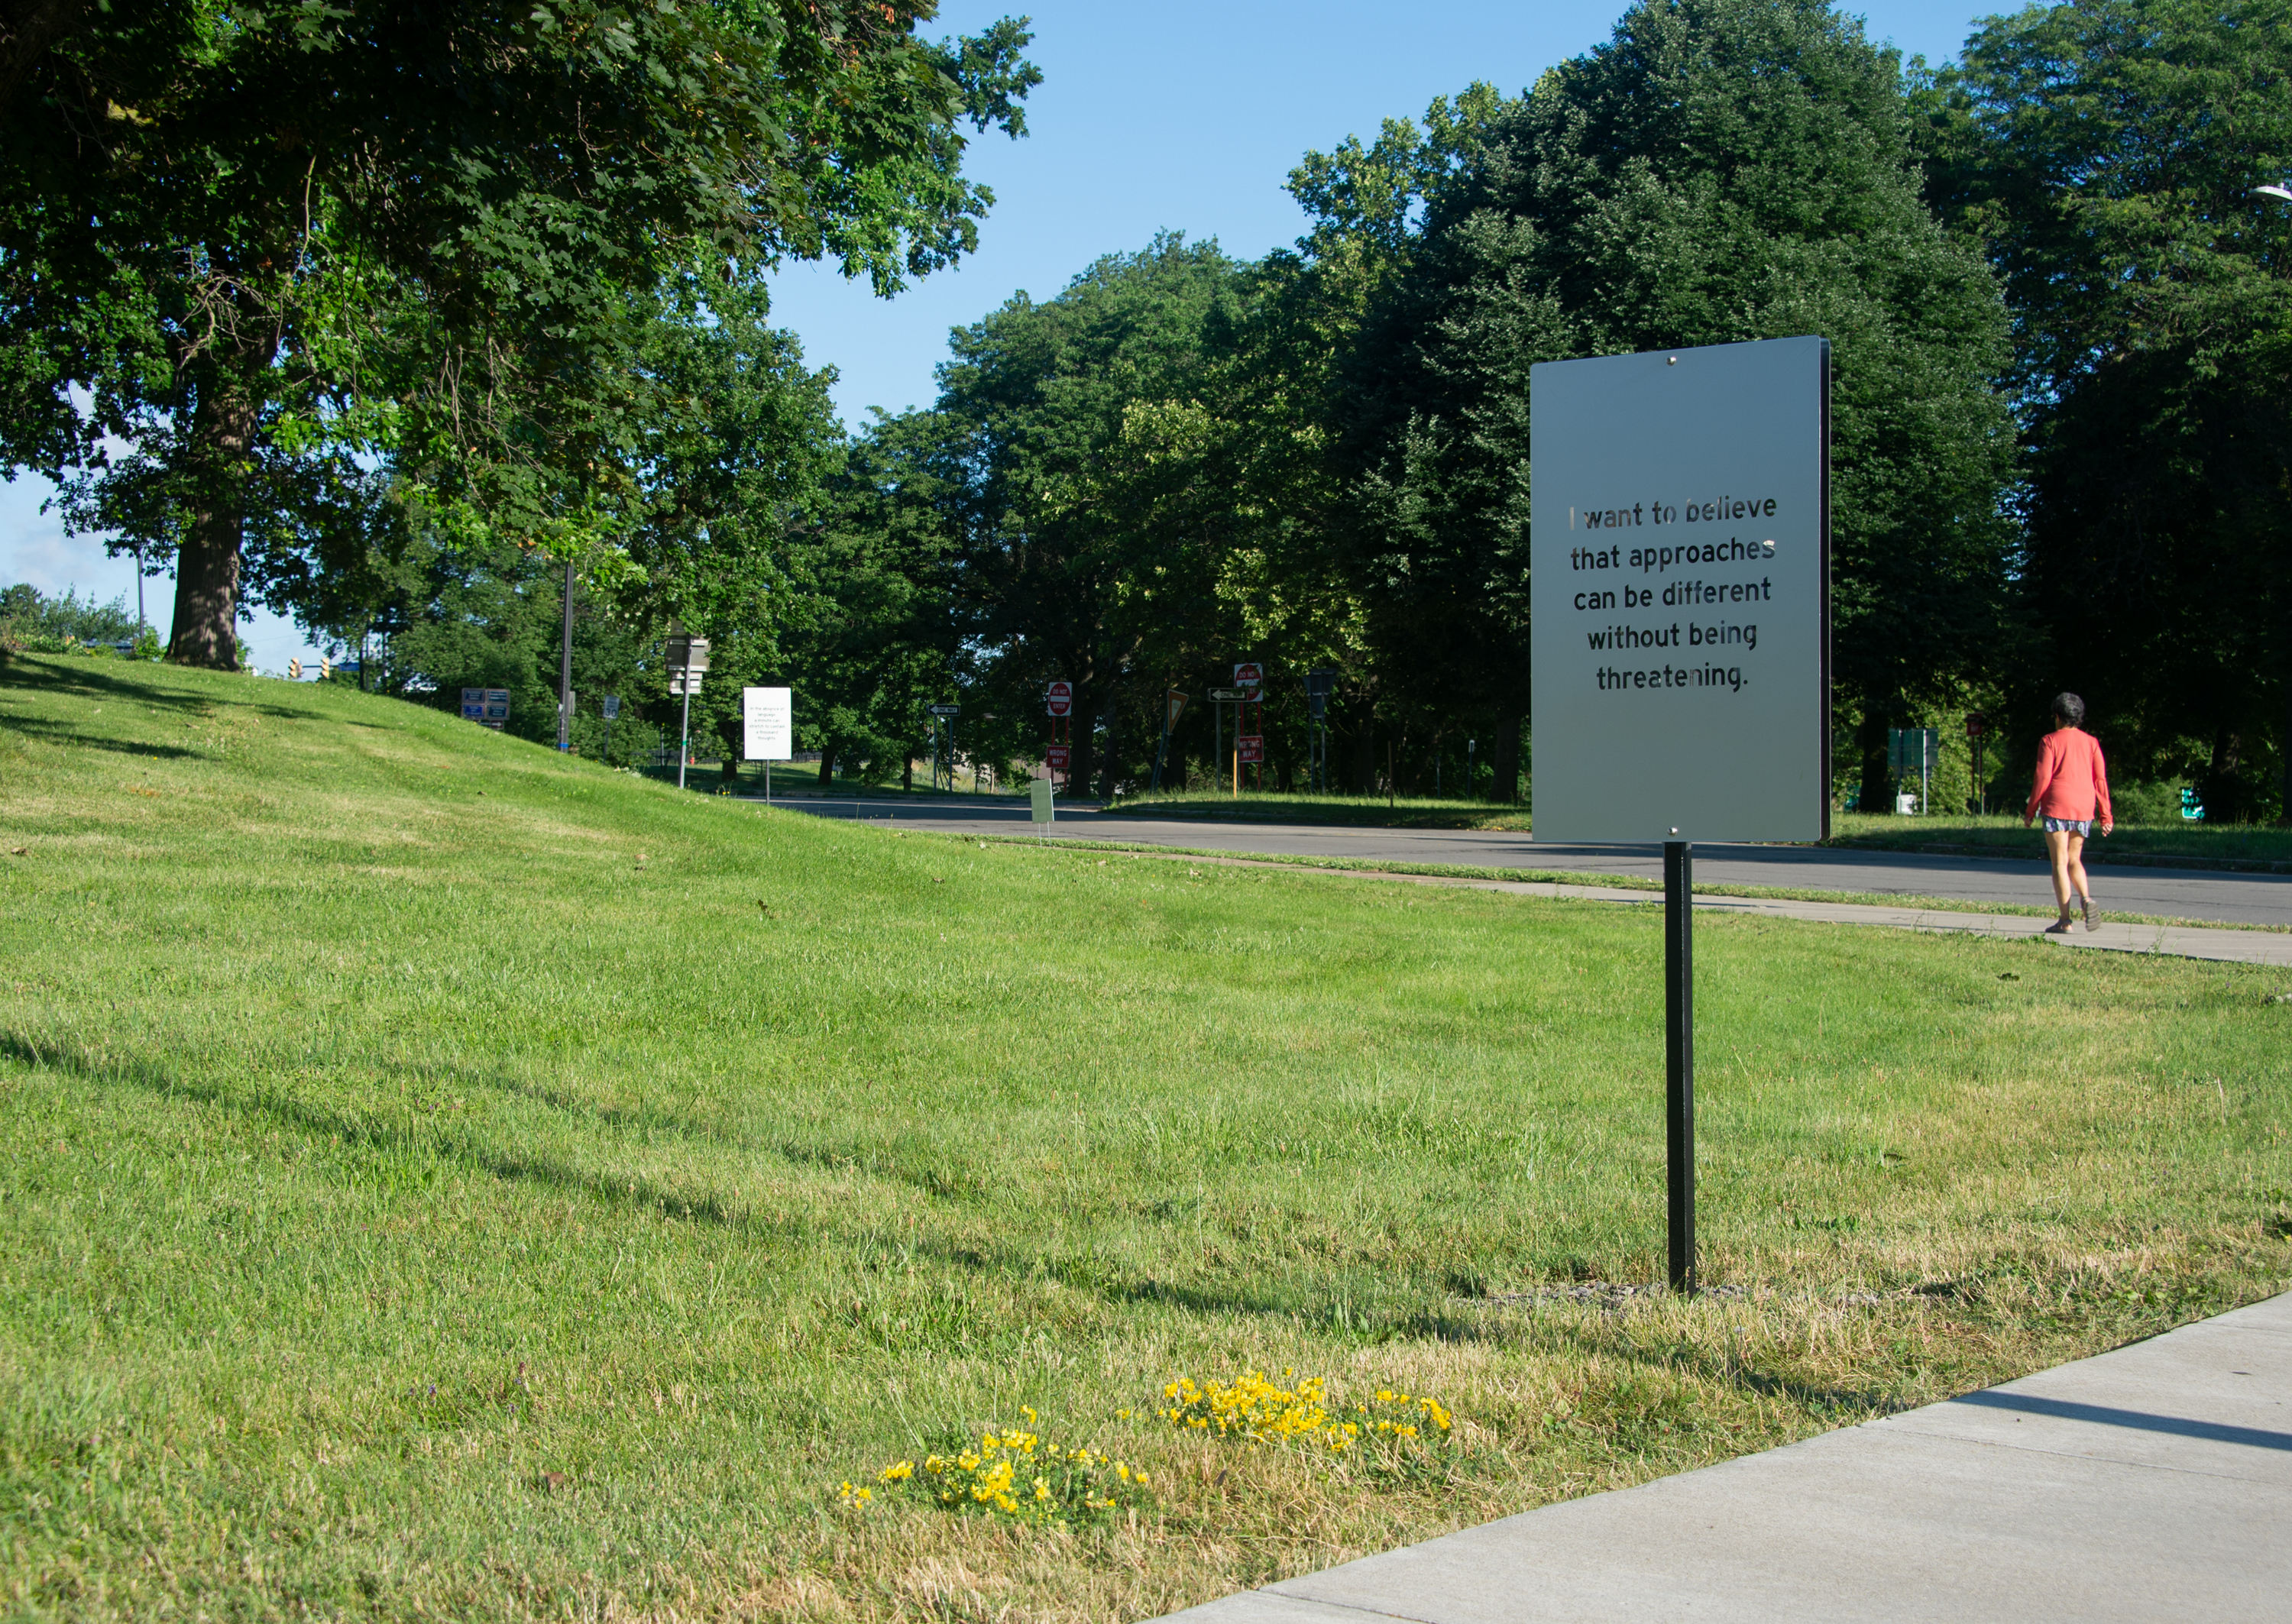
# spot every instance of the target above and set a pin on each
(1679, 1054)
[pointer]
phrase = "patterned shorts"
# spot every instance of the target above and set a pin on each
(2081, 827)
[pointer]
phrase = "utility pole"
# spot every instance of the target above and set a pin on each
(565, 670)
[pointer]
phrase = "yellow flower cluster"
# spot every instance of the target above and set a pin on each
(1249, 1407)
(1016, 1473)
(1253, 1407)
(1397, 1415)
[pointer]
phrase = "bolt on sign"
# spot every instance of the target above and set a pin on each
(767, 724)
(487, 707)
(1253, 747)
(1679, 594)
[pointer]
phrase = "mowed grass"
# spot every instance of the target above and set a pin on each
(1317, 807)
(2184, 841)
(442, 1178)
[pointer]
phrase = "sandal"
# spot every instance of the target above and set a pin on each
(2092, 915)
(2060, 927)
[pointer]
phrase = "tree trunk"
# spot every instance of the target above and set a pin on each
(827, 766)
(1081, 748)
(1361, 752)
(1877, 780)
(225, 427)
(1505, 759)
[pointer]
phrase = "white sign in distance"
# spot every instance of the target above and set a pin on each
(1679, 594)
(767, 725)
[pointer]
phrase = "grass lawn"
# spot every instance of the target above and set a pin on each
(2211, 842)
(1371, 811)
(437, 1177)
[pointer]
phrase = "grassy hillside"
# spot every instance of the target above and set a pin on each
(437, 1177)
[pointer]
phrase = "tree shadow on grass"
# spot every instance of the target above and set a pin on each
(1369, 1321)
(58, 675)
(1573, 1323)
(64, 735)
(1388, 1320)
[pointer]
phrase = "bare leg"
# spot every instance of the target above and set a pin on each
(2057, 848)
(2073, 867)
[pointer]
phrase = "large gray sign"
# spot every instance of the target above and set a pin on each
(1680, 594)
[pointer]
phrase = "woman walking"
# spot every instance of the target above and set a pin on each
(2072, 791)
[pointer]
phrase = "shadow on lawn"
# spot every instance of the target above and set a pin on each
(1345, 1312)
(61, 733)
(1337, 1309)
(90, 681)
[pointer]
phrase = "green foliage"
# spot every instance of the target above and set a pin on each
(1089, 481)
(1721, 171)
(30, 618)
(2105, 151)
(264, 240)
(870, 642)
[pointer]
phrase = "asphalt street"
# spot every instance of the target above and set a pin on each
(2195, 894)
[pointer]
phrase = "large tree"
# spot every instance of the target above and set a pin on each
(2106, 152)
(231, 234)
(1721, 170)
(1087, 485)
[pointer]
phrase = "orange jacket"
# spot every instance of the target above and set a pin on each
(2072, 780)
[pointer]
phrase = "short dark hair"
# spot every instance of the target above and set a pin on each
(2070, 708)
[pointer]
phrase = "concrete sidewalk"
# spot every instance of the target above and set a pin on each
(2150, 1483)
(2174, 941)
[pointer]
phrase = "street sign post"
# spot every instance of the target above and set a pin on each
(1977, 732)
(1058, 699)
(1680, 661)
(767, 729)
(1319, 683)
(687, 661)
(487, 707)
(943, 757)
(1174, 706)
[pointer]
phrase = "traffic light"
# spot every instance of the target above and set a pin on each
(295, 670)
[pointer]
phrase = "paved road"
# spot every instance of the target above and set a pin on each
(2150, 1483)
(2196, 894)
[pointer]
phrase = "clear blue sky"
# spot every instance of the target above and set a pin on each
(1179, 115)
